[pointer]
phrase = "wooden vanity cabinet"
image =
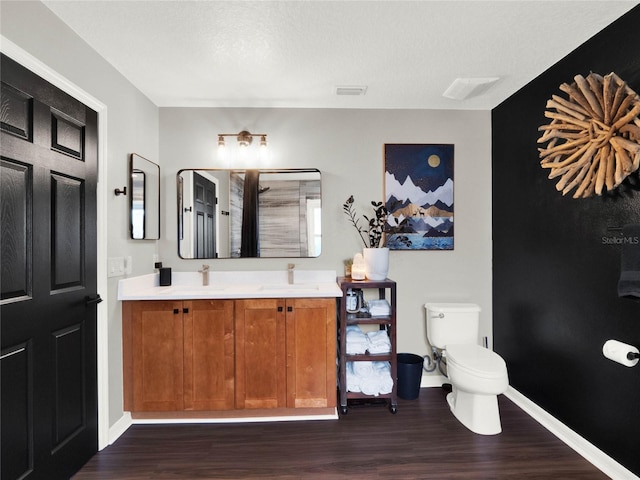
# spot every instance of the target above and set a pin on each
(228, 354)
(178, 355)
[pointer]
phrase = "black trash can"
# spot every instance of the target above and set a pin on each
(409, 375)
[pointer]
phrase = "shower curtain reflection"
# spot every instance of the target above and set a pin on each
(249, 238)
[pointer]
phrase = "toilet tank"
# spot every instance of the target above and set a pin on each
(451, 323)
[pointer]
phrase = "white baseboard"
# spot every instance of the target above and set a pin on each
(119, 427)
(433, 380)
(284, 418)
(591, 453)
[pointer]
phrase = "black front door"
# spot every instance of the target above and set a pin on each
(48, 292)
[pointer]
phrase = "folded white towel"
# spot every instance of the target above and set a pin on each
(354, 336)
(357, 341)
(356, 348)
(353, 381)
(379, 342)
(379, 337)
(379, 308)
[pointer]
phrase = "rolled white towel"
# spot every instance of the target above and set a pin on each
(383, 370)
(363, 369)
(353, 381)
(385, 384)
(370, 385)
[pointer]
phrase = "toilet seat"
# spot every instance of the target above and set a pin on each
(476, 360)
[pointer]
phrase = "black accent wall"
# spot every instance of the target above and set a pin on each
(556, 263)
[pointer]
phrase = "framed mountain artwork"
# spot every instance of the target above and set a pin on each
(418, 182)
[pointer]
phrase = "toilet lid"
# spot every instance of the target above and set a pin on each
(476, 360)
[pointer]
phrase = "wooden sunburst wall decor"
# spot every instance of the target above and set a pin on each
(594, 135)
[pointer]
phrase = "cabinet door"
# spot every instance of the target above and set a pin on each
(260, 353)
(208, 355)
(156, 355)
(311, 352)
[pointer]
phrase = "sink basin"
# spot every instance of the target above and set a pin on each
(286, 287)
(192, 289)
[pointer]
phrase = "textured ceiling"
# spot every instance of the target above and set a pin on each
(294, 53)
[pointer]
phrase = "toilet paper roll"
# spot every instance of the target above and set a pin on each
(618, 351)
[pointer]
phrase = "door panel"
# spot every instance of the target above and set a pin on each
(66, 232)
(69, 416)
(15, 197)
(48, 146)
(311, 352)
(17, 410)
(260, 353)
(209, 355)
(157, 367)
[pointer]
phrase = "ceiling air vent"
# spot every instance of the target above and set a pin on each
(353, 90)
(462, 88)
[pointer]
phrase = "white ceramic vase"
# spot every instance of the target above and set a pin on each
(376, 263)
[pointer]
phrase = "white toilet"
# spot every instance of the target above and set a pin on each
(477, 375)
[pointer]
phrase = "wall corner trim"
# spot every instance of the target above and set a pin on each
(587, 450)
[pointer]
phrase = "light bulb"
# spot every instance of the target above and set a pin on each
(222, 151)
(264, 150)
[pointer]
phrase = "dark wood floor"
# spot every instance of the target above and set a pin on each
(422, 441)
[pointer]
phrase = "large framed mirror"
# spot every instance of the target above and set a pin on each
(144, 203)
(249, 213)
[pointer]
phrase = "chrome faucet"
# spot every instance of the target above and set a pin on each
(290, 268)
(205, 275)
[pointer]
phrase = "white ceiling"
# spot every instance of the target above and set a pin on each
(294, 53)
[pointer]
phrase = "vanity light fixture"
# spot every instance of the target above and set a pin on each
(244, 139)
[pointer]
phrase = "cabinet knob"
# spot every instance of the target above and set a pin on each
(279, 309)
(185, 310)
(289, 309)
(176, 311)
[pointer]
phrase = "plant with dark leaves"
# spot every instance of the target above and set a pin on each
(375, 225)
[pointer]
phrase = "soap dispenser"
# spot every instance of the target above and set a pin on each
(165, 274)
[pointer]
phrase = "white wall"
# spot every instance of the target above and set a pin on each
(347, 147)
(132, 127)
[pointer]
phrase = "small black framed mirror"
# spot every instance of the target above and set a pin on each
(144, 198)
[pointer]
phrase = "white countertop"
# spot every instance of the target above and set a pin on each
(236, 284)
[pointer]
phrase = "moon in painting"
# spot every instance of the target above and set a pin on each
(433, 161)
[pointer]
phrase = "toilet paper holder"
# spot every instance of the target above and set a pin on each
(622, 353)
